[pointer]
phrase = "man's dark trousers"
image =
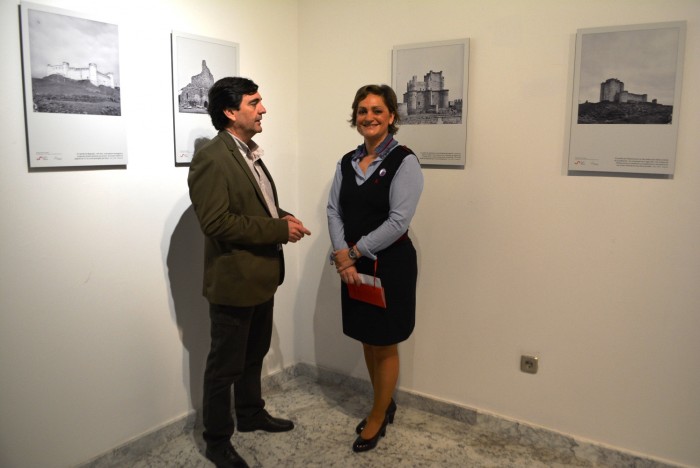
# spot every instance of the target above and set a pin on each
(240, 339)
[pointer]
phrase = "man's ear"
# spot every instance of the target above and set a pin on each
(230, 114)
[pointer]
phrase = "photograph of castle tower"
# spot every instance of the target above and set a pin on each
(646, 59)
(74, 65)
(430, 81)
(427, 101)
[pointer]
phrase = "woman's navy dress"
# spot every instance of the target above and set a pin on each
(365, 207)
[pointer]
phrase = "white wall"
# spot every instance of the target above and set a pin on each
(102, 330)
(103, 333)
(596, 275)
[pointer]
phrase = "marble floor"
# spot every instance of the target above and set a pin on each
(326, 413)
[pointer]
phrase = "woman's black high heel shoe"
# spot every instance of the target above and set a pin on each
(390, 412)
(362, 445)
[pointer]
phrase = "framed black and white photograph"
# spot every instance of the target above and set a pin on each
(72, 87)
(626, 98)
(198, 62)
(431, 81)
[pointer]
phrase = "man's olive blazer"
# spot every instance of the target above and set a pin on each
(243, 263)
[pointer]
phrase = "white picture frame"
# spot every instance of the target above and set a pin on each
(626, 99)
(431, 81)
(198, 62)
(72, 87)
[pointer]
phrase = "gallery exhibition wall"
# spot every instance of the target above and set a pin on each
(103, 332)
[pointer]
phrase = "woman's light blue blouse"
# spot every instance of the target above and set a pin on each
(404, 193)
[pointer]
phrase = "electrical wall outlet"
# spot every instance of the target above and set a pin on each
(529, 364)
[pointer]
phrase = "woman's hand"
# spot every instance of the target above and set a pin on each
(350, 276)
(342, 260)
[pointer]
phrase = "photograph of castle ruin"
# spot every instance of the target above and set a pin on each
(74, 65)
(193, 98)
(198, 62)
(628, 77)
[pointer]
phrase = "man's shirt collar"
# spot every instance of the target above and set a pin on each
(252, 152)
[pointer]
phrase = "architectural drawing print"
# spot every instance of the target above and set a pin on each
(626, 96)
(74, 65)
(197, 63)
(70, 65)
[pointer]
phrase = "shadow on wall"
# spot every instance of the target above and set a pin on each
(332, 349)
(274, 361)
(185, 262)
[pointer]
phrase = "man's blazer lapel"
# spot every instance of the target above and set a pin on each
(240, 159)
(272, 182)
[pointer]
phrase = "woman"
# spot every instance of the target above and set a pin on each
(372, 201)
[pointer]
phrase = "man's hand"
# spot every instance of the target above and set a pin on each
(296, 229)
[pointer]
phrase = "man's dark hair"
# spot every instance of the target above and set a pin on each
(227, 93)
(386, 93)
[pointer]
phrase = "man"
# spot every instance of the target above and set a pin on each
(235, 200)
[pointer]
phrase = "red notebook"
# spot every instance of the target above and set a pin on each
(370, 291)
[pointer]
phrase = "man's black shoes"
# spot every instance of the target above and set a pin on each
(264, 422)
(226, 457)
